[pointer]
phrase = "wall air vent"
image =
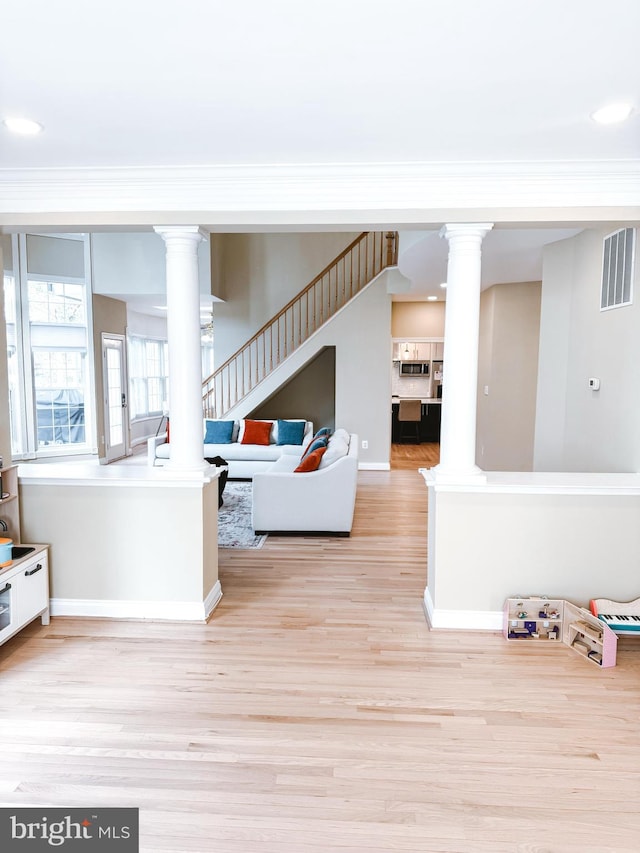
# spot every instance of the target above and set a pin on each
(617, 269)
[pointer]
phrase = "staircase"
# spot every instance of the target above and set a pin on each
(354, 268)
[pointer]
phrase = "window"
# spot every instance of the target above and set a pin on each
(48, 346)
(617, 269)
(148, 376)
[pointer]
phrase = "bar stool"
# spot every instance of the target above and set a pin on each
(409, 416)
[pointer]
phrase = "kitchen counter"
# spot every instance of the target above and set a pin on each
(427, 401)
(38, 549)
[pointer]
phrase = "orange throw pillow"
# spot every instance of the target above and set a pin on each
(256, 432)
(311, 461)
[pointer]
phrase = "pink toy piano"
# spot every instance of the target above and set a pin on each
(623, 617)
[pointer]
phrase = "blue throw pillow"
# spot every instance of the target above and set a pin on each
(218, 432)
(314, 444)
(291, 432)
(324, 431)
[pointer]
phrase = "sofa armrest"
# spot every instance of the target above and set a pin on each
(321, 500)
(152, 444)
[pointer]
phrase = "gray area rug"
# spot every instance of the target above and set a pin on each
(234, 518)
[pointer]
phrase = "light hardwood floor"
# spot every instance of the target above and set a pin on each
(316, 712)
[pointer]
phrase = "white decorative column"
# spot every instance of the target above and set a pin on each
(183, 329)
(461, 335)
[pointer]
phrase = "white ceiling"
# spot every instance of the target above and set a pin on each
(205, 83)
(153, 82)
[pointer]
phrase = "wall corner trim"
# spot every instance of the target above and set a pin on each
(461, 620)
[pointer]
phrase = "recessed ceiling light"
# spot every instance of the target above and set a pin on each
(24, 126)
(432, 298)
(612, 113)
(444, 284)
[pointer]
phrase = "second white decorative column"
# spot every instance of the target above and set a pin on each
(183, 331)
(461, 336)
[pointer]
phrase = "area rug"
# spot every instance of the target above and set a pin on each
(234, 518)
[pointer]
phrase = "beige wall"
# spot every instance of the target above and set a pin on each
(311, 391)
(508, 371)
(109, 315)
(5, 434)
(260, 274)
(417, 320)
(578, 429)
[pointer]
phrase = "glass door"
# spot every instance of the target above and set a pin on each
(115, 397)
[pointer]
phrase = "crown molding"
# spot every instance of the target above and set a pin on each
(295, 193)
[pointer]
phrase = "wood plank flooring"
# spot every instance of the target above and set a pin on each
(316, 712)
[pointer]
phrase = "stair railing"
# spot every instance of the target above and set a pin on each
(340, 281)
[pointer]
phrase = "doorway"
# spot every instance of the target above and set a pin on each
(115, 398)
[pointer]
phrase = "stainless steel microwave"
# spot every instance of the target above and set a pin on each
(414, 368)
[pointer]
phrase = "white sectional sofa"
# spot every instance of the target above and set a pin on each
(244, 460)
(319, 501)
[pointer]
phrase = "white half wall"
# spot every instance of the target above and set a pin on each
(566, 540)
(123, 535)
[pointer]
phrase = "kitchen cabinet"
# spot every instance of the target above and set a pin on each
(413, 351)
(429, 429)
(24, 583)
(417, 350)
(24, 592)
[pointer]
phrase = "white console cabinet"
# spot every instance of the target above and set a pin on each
(24, 583)
(24, 592)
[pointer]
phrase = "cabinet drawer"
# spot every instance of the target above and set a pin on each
(33, 589)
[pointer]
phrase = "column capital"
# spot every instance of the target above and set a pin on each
(469, 230)
(180, 232)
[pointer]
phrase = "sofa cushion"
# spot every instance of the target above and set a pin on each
(256, 432)
(218, 432)
(310, 461)
(289, 432)
(337, 448)
(244, 452)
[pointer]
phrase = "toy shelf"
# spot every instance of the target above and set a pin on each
(537, 618)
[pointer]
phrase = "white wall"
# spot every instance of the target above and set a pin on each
(578, 429)
(134, 263)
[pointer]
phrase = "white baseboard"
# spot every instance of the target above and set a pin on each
(213, 599)
(374, 466)
(461, 620)
(173, 611)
